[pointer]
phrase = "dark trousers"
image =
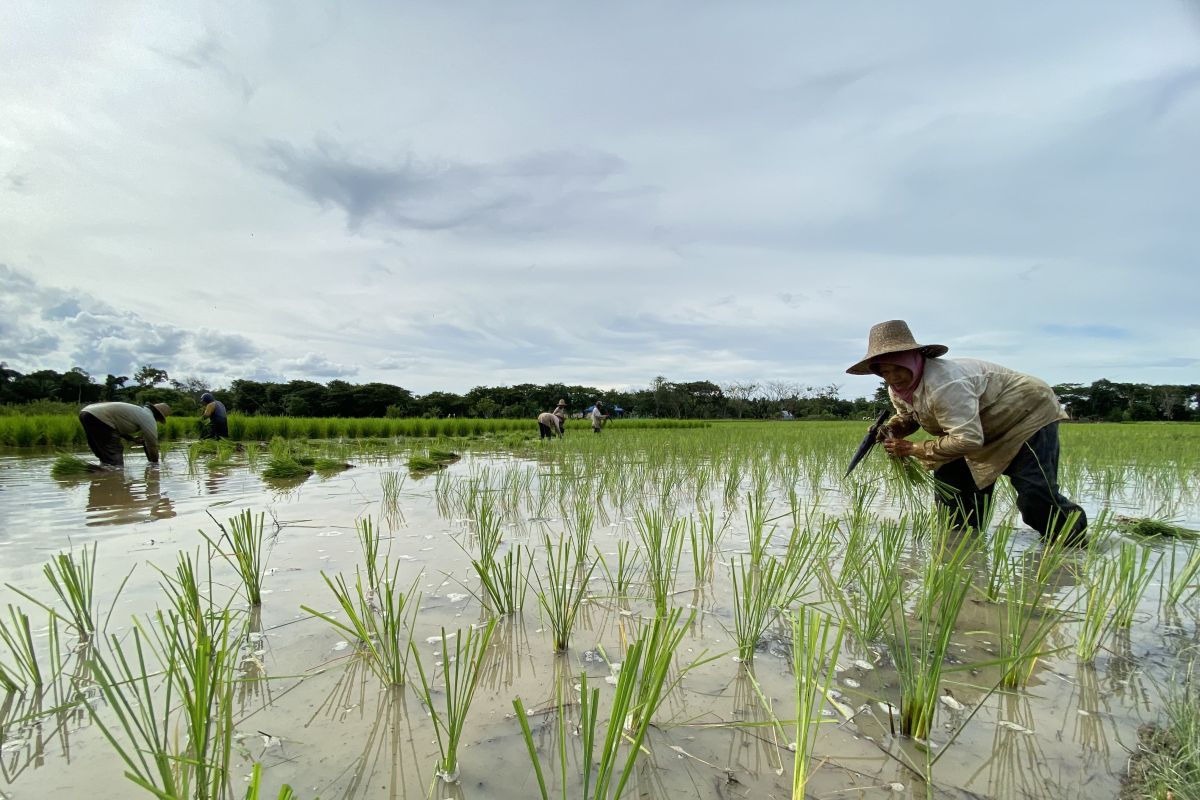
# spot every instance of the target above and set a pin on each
(546, 431)
(104, 441)
(1034, 474)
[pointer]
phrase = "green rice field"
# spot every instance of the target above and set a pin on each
(454, 608)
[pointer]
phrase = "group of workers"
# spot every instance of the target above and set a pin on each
(553, 423)
(109, 425)
(986, 420)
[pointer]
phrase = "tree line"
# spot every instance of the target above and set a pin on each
(663, 398)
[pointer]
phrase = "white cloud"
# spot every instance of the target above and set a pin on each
(443, 196)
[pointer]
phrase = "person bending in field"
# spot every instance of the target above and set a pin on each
(553, 423)
(106, 424)
(988, 421)
(217, 426)
(598, 417)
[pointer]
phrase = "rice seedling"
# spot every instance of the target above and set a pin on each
(504, 582)
(998, 560)
(1100, 581)
(620, 580)
(488, 532)
(808, 549)
(662, 549)
(71, 466)
(563, 590)
(604, 775)
(582, 522)
(244, 538)
(1134, 574)
(23, 668)
(867, 599)
(282, 464)
(757, 510)
(254, 788)
(816, 643)
(704, 537)
(920, 654)
(756, 593)
(1184, 582)
(368, 540)
(460, 678)
(74, 584)
(325, 466)
(379, 621)
(661, 638)
(1028, 616)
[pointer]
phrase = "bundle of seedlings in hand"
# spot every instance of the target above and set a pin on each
(562, 593)
(814, 659)
(460, 678)
(381, 623)
(244, 541)
(662, 550)
(920, 654)
(646, 664)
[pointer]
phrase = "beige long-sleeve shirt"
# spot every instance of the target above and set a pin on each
(978, 410)
(552, 420)
(129, 420)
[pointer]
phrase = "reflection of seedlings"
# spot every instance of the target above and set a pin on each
(460, 678)
(381, 622)
(1168, 760)
(391, 483)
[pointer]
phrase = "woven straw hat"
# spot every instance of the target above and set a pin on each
(893, 336)
(161, 411)
(562, 403)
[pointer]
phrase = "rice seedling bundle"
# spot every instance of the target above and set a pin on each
(69, 466)
(562, 592)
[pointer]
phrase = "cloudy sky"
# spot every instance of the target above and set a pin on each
(446, 195)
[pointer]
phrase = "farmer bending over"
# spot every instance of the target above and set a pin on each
(552, 423)
(106, 424)
(218, 419)
(989, 420)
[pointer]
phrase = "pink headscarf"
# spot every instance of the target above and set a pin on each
(911, 360)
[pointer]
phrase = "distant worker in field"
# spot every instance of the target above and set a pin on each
(106, 424)
(553, 423)
(988, 421)
(214, 415)
(598, 416)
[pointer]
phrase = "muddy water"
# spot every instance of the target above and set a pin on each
(321, 722)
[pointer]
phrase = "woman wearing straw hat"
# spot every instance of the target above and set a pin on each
(988, 421)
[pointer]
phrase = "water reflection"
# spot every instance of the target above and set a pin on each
(116, 499)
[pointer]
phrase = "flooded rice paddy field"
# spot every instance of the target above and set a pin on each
(729, 506)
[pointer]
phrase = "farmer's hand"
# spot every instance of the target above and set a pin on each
(898, 448)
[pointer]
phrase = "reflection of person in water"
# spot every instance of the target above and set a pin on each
(115, 499)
